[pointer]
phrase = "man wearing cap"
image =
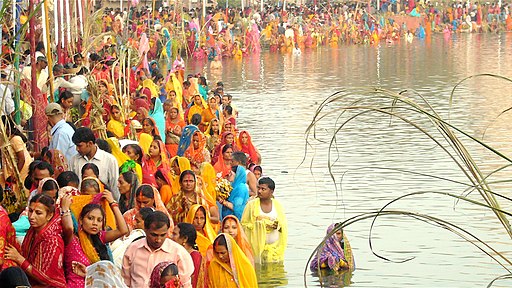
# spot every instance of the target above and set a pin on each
(61, 133)
(60, 82)
(42, 75)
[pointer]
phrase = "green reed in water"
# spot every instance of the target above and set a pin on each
(351, 105)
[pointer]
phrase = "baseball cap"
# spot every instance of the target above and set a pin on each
(53, 109)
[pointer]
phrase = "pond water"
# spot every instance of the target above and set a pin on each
(277, 96)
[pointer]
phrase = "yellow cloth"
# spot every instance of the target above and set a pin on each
(121, 157)
(209, 176)
(148, 83)
(195, 109)
(144, 142)
(173, 84)
(80, 201)
(184, 164)
(116, 127)
(255, 228)
(208, 230)
(239, 273)
(87, 247)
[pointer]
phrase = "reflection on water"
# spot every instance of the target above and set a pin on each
(271, 275)
(334, 279)
(277, 96)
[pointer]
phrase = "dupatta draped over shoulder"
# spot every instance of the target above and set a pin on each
(239, 195)
(241, 238)
(239, 272)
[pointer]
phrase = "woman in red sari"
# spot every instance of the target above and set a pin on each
(223, 166)
(156, 159)
(7, 237)
(245, 145)
(42, 250)
(227, 138)
(174, 126)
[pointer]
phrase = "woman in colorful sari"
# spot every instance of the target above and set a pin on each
(178, 165)
(146, 196)
(164, 181)
(230, 225)
(185, 234)
(149, 127)
(198, 217)
(212, 134)
(223, 165)
(235, 203)
(210, 113)
(156, 159)
(42, 250)
(186, 136)
(197, 152)
(127, 184)
(129, 158)
(157, 113)
(116, 124)
(197, 108)
(265, 224)
(227, 138)
(165, 274)
(174, 125)
(17, 149)
(89, 244)
(245, 145)
(7, 236)
(56, 159)
(336, 253)
(230, 268)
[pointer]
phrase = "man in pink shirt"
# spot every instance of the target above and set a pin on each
(144, 254)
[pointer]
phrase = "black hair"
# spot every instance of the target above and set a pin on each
(257, 167)
(82, 71)
(189, 232)
(99, 246)
(14, 277)
(11, 129)
(144, 212)
(240, 157)
(67, 178)
(226, 147)
(170, 270)
(185, 173)
(49, 185)
(103, 145)
(42, 165)
(211, 130)
(89, 183)
(90, 166)
(270, 183)
(95, 57)
(146, 191)
(228, 109)
(45, 200)
(64, 95)
(196, 119)
(137, 149)
(131, 178)
(220, 241)
(202, 80)
(77, 55)
(83, 135)
(157, 219)
(160, 175)
(40, 46)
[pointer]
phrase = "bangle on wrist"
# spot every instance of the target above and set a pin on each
(112, 203)
(62, 213)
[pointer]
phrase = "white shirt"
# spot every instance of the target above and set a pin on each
(6, 99)
(107, 164)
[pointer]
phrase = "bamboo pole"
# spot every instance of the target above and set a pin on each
(48, 48)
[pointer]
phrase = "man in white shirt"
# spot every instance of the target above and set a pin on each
(61, 132)
(88, 152)
(6, 98)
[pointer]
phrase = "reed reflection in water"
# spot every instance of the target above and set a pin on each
(277, 96)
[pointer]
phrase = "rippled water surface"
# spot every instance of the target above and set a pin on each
(277, 96)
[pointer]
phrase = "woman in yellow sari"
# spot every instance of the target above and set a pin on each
(116, 124)
(229, 266)
(178, 164)
(209, 177)
(198, 217)
(197, 108)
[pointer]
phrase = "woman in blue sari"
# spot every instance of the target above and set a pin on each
(187, 133)
(235, 203)
(157, 113)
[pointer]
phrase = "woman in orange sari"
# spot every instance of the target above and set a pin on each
(245, 145)
(174, 125)
(197, 152)
(210, 113)
(223, 166)
(178, 165)
(156, 159)
(230, 225)
(227, 138)
(212, 134)
(198, 217)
